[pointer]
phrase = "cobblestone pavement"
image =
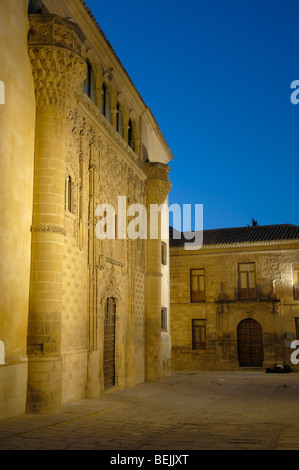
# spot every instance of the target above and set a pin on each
(242, 410)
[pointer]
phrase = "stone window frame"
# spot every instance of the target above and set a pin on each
(133, 136)
(199, 325)
(119, 119)
(295, 283)
(200, 294)
(106, 105)
(70, 199)
(68, 194)
(164, 319)
(249, 292)
(105, 84)
(90, 85)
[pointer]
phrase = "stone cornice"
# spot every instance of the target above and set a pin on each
(159, 185)
(157, 170)
(56, 50)
(48, 228)
(227, 246)
(156, 129)
(56, 31)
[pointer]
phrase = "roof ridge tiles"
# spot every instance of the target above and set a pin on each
(249, 234)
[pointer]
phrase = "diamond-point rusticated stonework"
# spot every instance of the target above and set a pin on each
(52, 29)
(57, 55)
(79, 156)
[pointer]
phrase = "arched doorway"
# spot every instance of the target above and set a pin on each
(250, 343)
(109, 343)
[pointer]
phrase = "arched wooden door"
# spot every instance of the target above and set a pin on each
(109, 343)
(250, 343)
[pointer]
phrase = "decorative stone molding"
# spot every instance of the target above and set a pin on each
(75, 129)
(111, 290)
(52, 29)
(157, 170)
(239, 245)
(100, 119)
(48, 228)
(109, 74)
(158, 183)
(114, 262)
(57, 57)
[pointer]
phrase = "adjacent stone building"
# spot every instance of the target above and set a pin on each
(235, 300)
(79, 314)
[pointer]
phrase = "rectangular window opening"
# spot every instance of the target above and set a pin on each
(164, 319)
(199, 334)
(247, 281)
(296, 281)
(198, 285)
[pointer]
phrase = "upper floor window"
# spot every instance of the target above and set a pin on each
(90, 83)
(247, 283)
(119, 121)
(106, 103)
(130, 134)
(198, 285)
(296, 281)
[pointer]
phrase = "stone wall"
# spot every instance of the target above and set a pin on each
(274, 308)
(63, 156)
(17, 120)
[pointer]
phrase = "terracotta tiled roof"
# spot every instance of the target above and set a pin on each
(225, 236)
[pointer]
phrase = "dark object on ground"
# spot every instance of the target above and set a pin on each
(278, 369)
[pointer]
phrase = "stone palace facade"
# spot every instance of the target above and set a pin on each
(79, 314)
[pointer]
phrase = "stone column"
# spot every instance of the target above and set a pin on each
(113, 117)
(56, 52)
(126, 131)
(158, 188)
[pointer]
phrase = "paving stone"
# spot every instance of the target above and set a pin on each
(248, 411)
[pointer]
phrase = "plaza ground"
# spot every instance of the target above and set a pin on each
(240, 410)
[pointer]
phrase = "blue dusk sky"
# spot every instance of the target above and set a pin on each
(217, 76)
